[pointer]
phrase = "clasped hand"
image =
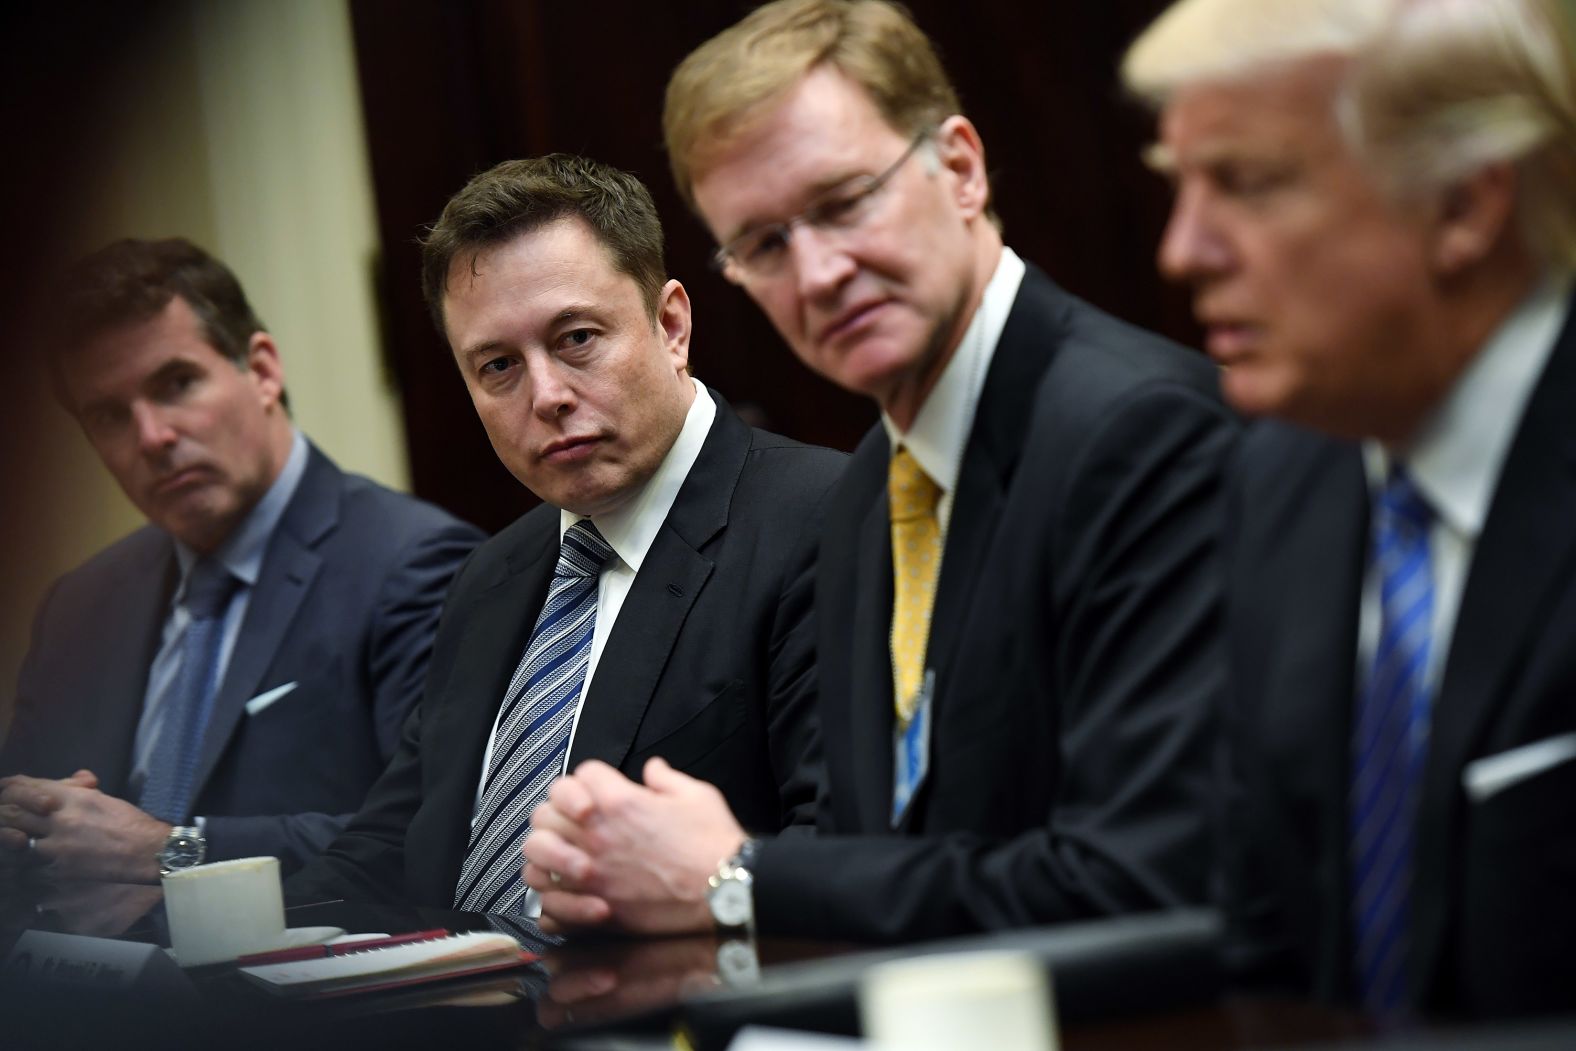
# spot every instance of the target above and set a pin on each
(69, 830)
(604, 850)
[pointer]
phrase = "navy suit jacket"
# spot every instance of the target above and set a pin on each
(345, 608)
(1075, 641)
(1494, 892)
(710, 665)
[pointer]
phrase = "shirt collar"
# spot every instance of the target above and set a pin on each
(1457, 457)
(631, 527)
(242, 551)
(941, 428)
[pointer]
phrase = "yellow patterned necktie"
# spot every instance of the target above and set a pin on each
(916, 560)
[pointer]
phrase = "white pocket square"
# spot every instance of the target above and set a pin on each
(263, 700)
(1486, 777)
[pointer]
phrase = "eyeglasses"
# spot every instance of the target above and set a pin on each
(760, 254)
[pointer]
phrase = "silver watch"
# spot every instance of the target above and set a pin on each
(731, 889)
(184, 849)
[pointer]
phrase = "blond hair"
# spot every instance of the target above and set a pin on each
(1436, 89)
(724, 84)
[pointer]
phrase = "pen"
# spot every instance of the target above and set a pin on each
(318, 952)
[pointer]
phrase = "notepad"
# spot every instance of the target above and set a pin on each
(391, 967)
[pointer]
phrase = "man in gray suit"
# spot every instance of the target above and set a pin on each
(228, 680)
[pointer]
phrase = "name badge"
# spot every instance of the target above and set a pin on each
(911, 751)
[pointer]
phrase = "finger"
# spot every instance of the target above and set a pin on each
(548, 1014)
(570, 910)
(574, 987)
(34, 796)
(570, 799)
(600, 780)
(548, 818)
(24, 821)
(83, 779)
(660, 777)
(536, 877)
(552, 853)
(13, 839)
(540, 878)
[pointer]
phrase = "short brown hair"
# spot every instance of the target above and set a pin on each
(519, 196)
(131, 281)
(726, 81)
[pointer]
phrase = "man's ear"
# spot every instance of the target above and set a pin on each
(265, 368)
(1473, 214)
(673, 321)
(961, 151)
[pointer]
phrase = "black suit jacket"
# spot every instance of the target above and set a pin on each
(345, 606)
(1494, 895)
(710, 665)
(1074, 641)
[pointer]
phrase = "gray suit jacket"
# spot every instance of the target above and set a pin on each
(345, 608)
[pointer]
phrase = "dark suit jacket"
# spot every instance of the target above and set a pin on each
(346, 605)
(1494, 902)
(1074, 641)
(710, 665)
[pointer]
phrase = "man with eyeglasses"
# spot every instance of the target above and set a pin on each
(1017, 597)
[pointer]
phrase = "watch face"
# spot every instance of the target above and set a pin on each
(737, 963)
(730, 904)
(182, 854)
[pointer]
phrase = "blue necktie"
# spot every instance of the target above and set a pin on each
(167, 792)
(533, 731)
(1389, 744)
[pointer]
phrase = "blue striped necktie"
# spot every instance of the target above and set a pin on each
(172, 768)
(533, 732)
(1389, 745)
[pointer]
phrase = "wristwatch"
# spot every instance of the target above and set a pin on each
(184, 848)
(730, 896)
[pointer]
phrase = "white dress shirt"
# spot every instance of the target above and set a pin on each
(1457, 458)
(941, 428)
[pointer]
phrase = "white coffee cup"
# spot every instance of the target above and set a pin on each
(227, 909)
(996, 999)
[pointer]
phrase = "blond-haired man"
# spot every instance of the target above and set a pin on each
(1016, 599)
(1376, 206)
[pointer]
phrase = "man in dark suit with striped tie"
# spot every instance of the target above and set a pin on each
(1376, 206)
(655, 607)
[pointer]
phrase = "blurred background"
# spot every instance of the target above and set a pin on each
(307, 142)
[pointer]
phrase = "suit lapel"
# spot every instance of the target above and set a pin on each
(288, 569)
(124, 657)
(670, 580)
(1001, 418)
(1311, 542)
(457, 726)
(870, 708)
(1522, 561)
